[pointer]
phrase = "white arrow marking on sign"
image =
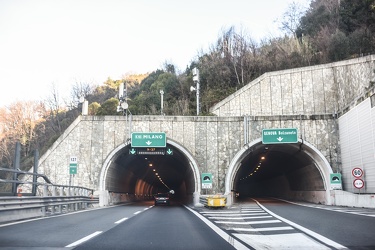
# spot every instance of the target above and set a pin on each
(148, 142)
(280, 139)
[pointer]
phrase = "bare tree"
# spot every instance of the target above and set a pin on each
(18, 122)
(80, 90)
(53, 103)
(291, 18)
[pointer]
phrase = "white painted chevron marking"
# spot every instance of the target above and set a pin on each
(263, 229)
(248, 222)
(281, 241)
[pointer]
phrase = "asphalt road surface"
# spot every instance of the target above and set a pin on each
(132, 226)
(251, 224)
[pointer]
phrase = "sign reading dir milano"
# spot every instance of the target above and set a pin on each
(148, 140)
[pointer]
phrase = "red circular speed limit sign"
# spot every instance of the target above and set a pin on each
(358, 183)
(357, 172)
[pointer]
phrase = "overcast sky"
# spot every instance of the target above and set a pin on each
(61, 42)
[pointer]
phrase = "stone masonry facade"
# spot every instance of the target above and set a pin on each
(309, 99)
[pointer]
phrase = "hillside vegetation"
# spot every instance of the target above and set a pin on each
(328, 31)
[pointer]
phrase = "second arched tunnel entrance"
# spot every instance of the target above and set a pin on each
(288, 171)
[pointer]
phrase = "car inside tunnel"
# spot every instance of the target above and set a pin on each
(140, 173)
(288, 171)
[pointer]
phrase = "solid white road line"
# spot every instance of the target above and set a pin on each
(76, 243)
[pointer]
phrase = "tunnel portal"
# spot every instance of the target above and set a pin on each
(139, 174)
(288, 171)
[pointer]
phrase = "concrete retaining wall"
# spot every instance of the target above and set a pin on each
(347, 199)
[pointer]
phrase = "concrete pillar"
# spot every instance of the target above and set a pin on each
(61, 193)
(45, 194)
(35, 179)
(196, 198)
(103, 198)
(17, 160)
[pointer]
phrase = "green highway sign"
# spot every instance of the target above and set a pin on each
(132, 151)
(336, 181)
(279, 135)
(73, 169)
(206, 180)
(73, 164)
(169, 151)
(147, 140)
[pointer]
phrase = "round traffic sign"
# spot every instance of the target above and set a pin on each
(357, 172)
(358, 183)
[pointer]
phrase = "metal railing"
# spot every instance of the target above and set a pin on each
(43, 200)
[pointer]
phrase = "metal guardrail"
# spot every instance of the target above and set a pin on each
(52, 198)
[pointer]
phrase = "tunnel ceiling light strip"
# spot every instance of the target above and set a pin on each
(254, 170)
(160, 179)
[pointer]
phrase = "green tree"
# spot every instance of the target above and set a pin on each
(109, 107)
(94, 108)
(338, 47)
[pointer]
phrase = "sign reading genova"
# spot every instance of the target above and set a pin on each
(147, 140)
(279, 135)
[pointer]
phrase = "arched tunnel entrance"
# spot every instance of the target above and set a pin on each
(295, 171)
(130, 174)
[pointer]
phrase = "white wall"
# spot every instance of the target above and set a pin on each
(357, 142)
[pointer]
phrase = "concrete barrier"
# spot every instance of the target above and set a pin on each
(344, 198)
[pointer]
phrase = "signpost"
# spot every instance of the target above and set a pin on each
(148, 140)
(206, 180)
(73, 165)
(336, 181)
(358, 183)
(357, 172)
(279, 135)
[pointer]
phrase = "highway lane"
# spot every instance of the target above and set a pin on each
(269, 224)
(60, 231)
(350, 227)
(276, 224)
(162, 227)
(132, 226)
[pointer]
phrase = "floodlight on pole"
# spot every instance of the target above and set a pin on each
(161, 102)
(85, 105)
(122, 96)
(124, 106)
(196, 81)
